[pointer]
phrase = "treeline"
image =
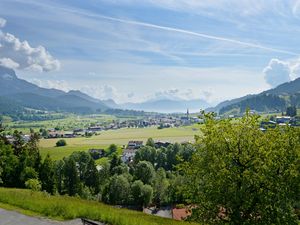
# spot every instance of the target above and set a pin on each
(233, 174)
(150, 178)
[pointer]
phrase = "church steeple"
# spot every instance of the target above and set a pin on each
(187, 114)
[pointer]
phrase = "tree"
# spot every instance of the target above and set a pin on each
(71, 177)
(142, 194)
(147, 195)
(240, 175)
(136, 192)
(112, 149)
(291, 111)
(150, 142)
(115, 161)
(46, 175)
(61, 143)
(119, 190)
(33, 184)
(161, 187)
(8, 165)
(145, 172)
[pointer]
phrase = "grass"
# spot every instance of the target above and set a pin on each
(65, 208)
(119, 137)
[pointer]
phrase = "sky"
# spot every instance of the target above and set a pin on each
(136, 50)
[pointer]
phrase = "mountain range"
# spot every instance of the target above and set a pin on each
(273, 100)
(18, 94)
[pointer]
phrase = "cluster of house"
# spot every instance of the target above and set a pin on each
(280, 121)
(25, 137)
(133, 146)
(169, 212)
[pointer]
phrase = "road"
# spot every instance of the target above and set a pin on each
(14, 218)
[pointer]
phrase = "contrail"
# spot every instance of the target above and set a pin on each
(177, 30)
(202, 35)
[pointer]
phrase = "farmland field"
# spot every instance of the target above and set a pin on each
(119, 137)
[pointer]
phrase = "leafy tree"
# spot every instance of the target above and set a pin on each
(146, 153)
(61, 143)
(240, 175)
(136, 192)
(28, 173)
(119, 190)
(18, 143)
(59, 175)
(145, 172)
(71, 177)
(46, 175)
(33, 184)
(147, 195)
(150, 142)
(8, 165)
(91, 177)
(112, 149)
(291, 111)
(161, 187)
(115, 161)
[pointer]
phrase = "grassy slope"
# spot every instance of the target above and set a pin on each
(119, 137)
(64, 207)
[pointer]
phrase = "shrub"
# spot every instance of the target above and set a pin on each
(61, 143)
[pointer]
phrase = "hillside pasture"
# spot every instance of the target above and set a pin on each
(119, 137)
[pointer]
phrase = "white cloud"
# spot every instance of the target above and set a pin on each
(103, 92)
(7, 62)
(56, 84)
(277, 72)
(2, 22)
(18, 54)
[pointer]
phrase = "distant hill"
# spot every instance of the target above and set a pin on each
(168, 105)
(16, 94)
(276, 99)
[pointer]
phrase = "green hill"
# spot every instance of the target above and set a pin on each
(276, 99)
(64, 207)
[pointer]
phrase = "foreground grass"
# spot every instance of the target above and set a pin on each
(64, 208)
(119, 137)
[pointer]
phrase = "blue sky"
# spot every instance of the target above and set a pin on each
(132, 50)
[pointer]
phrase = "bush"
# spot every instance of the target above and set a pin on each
(33, 184)
(61, 143)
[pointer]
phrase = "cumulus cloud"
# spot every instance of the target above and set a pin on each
(174, 94)
(2, 22)
(103, 92)
(18, 54)
(57, 84)
(7, 62)
(277, 72)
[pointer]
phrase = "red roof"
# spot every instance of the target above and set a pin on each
(180, 214)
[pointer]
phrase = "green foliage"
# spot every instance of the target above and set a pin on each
(141, 194)
(145, 172)
(119, 190)
(240, 175)
(46, 175)
(33, 184)
(291, 111)
(150, 142)
(112, 149)
(61, 143)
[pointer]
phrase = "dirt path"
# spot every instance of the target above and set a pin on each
(14, 218)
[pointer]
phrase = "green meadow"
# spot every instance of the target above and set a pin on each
(66, 208)
(119, 137)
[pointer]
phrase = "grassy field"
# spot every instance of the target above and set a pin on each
(119, 137)
(64, 208)
(70, 122)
